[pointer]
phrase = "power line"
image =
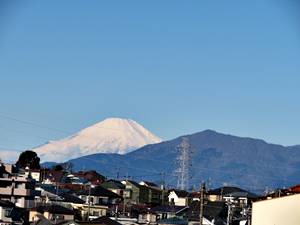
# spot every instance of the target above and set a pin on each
(33, 124)
(22, 132)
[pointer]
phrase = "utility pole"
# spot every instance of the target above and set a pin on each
(89, 203)
(229, 213)
(162, 188)
(202, 190)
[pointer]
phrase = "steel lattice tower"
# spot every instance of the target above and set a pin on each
(183, 164)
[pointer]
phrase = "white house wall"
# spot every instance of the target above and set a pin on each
(277, 211)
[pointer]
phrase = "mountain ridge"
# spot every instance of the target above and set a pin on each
(222, 158)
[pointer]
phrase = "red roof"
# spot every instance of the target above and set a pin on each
(295, 189)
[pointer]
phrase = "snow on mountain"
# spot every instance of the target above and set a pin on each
(113, 135)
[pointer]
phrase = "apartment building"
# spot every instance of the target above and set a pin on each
(17, 189)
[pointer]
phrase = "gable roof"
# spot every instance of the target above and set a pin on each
(225, 190)
(64, 195)
(41, 220)
(99, 191)
(92, 176)
(134, 183)
(57, 209)
(242, 194)
(211, 210)
(105, 221)
(113, 184)
(181, 193)
(72, 198)
(7, 204)
(150, 184)
(168, 208)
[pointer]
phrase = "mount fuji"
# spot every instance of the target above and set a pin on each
(113, 135)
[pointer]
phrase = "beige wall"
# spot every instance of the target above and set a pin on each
(277, 211)
(33, 216)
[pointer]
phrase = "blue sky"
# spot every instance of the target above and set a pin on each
(176, 67)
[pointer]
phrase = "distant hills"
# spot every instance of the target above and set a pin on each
(217, 158)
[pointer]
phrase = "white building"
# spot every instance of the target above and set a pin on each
(35, 174)
(5, 211)
(277, 211)
(179, 198)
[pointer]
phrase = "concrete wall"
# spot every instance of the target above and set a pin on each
(277, 211)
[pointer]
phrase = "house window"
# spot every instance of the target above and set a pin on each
(7, 212)
(95, 213)
(57, 217)
(17, 185)
(91, 200)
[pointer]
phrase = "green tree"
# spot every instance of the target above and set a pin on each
(58, 167)
(28, 159)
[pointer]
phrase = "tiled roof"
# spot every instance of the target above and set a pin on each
(57, 209)
(4, 203)
(151, 184)
(99, 191)
(225, 190)
(211, 210)
(105, 221)
(242, 194)
(181, 193)
(168, 208)
(72, 198)
(113, 184)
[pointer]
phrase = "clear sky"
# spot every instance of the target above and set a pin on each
(176, 67)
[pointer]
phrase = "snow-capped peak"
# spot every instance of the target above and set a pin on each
(112, 135)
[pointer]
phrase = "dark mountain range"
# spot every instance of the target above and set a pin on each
(216, 158)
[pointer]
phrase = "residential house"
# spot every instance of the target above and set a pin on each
(35, 174)
(147, 217)
(99, 196)
(74, 179)
(135, 193)
(91, 176)
(67, 198)
(141, 193)
(179, 198)
(230, 194)
(155, 194)
(53, 177)
(240, 199)
(54, 213)
(214, 213)
(168, 211)
(114, 186)
(7, 213)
